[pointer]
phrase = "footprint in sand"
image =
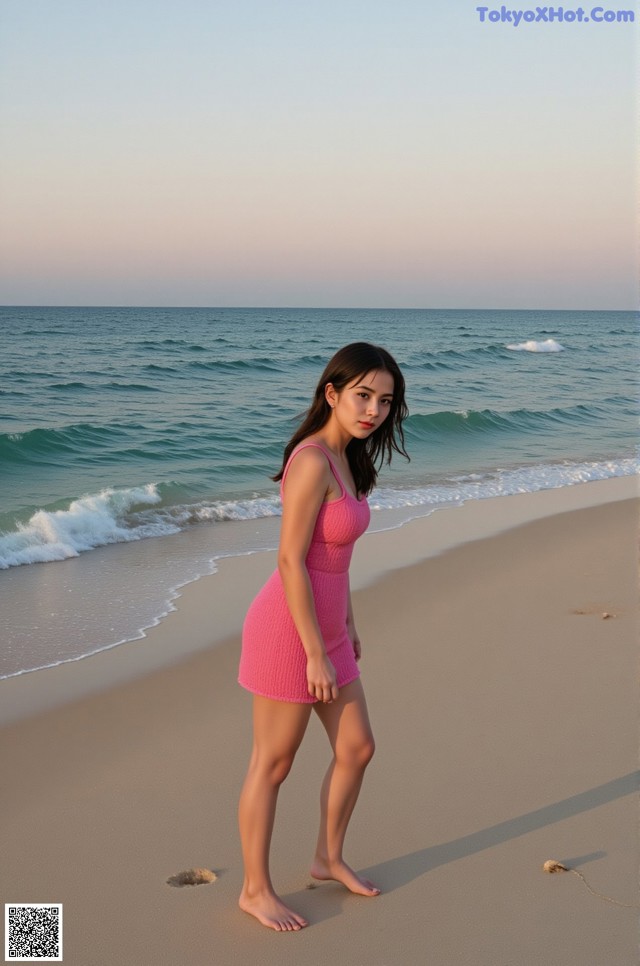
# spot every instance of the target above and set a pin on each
(192, 877)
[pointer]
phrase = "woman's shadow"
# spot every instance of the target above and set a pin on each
(403, 869)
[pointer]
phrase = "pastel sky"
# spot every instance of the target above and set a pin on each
(375, 153)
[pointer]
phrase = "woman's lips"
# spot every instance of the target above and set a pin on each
(366, 425)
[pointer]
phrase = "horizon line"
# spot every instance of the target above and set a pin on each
(312, 308)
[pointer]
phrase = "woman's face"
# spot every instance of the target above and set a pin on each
(363, 405)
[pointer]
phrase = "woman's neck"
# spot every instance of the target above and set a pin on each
(336, 442)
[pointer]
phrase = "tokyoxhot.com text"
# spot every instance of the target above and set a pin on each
(555, 15)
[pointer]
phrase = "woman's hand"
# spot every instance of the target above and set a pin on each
(321, 679)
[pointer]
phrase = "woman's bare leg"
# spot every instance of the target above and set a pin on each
(346, 722)
(278, 729)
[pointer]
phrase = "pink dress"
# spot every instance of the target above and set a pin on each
(273, 662)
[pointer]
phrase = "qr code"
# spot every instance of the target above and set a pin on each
(33, 932)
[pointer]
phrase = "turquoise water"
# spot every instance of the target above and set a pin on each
(120, 424)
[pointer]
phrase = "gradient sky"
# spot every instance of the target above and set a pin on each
(342, 153)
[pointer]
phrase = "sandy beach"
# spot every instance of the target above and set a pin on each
(504, 704)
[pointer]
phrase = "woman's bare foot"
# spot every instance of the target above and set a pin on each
(341, 872)
(271, 911)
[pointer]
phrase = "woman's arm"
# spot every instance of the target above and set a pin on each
(308, 481)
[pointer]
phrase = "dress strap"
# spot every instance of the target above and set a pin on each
(334, 470)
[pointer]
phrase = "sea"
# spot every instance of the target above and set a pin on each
(157, 430)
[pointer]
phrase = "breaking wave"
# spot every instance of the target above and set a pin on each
(548, 345)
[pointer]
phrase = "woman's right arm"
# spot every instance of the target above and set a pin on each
(306, 485)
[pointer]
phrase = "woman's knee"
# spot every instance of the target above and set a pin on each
(367, 750)
(281, 768)
(274, 768)
(356, 754)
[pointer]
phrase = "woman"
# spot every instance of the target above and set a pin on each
(300, 647)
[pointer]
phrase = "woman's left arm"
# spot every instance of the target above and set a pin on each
(351, 628)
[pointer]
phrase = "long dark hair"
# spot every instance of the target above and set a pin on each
(365, 456)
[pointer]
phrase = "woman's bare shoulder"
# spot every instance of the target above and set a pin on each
(308, 464)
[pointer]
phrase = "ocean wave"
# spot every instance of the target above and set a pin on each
(71, 386)
(253, 364)
(131, 386)
(118, 516)
(316, 359)
(27, 375)
(548, 345)
(89, 522)
(455, 422)
(147, 345)
(36, 445)
(506, 482)
(48, 331)
(455, 358)
(153, 367)
(127, 443)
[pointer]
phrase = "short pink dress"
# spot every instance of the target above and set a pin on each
(273, 662)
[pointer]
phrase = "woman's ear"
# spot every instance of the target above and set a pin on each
(330, 394)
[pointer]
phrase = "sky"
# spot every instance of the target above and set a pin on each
(343, 153)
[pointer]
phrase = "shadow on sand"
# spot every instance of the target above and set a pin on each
(405, 868)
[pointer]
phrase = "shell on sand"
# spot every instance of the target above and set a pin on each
(192, 877)
(552, 865)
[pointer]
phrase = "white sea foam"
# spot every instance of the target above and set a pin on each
(89, 522)
(549, 345)
(254, 509)
(501, 482)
